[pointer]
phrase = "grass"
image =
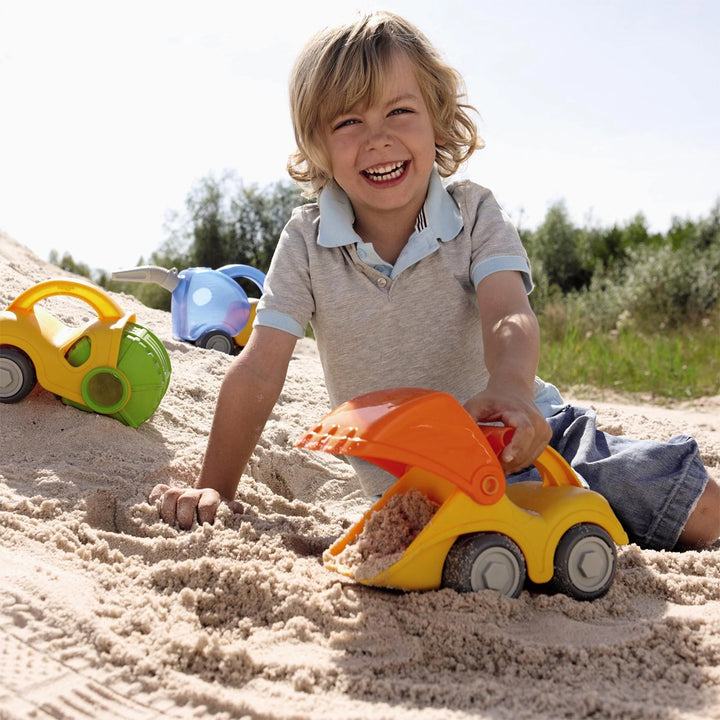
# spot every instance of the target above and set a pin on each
(678, 365)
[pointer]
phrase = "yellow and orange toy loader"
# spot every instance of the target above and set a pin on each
(485, 534)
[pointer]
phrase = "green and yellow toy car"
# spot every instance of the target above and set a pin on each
(109, 365)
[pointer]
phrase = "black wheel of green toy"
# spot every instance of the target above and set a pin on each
(217, 340)
(485, 561)
(585, 562)
(17, 374)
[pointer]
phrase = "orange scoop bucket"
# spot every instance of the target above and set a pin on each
(410, 427)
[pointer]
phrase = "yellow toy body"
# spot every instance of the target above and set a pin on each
(109, 365)
(484, 535)
(243, 337)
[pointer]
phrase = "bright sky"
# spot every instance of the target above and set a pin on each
(110, 111)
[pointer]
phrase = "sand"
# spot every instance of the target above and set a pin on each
(385, 535)
(108, 613)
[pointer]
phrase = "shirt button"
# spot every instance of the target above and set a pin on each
(382, 282)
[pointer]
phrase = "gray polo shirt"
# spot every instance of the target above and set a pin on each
(414, 323)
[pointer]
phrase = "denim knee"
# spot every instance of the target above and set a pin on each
(651, 486)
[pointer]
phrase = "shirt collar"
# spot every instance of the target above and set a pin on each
(440, 215)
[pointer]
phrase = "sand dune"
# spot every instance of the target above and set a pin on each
(108, 613)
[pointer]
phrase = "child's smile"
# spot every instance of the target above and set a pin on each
(382, 154)
(386, 173)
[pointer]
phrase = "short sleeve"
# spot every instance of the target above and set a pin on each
(287, 302)
(495, 243)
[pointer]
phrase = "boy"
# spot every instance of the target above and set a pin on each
(407, 282)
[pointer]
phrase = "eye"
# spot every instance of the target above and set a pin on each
(344, 123)
(400, 111)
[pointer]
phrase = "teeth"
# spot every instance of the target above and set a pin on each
(386, 172)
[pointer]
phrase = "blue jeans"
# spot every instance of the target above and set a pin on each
(651, 486)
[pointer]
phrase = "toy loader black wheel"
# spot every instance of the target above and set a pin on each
(485, 561)
(17, 374)
(217, 340)
(585, 562)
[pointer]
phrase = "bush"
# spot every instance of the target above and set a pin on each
(668, 288)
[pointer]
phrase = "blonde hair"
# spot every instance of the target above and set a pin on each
(343, 66)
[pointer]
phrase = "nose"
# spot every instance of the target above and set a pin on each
(378, 137)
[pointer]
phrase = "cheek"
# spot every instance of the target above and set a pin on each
(326, 157)
(341, 158)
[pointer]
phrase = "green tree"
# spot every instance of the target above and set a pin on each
(212, 232)
(229, 222)
(224, 222)
(67, 263)
(260, 216)
(635, 234)
(554, 249)
(696, 236)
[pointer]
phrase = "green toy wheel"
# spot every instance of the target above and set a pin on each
(105, 390)
(145, 363)
(132, 391)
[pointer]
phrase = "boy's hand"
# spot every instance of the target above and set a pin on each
(248, 394)
(532, 432)
(184, 505)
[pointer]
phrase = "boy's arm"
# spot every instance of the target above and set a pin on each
(247, 396)
(512, 345)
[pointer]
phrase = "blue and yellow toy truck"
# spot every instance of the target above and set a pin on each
(209, 308)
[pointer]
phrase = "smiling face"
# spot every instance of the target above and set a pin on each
(382, 154)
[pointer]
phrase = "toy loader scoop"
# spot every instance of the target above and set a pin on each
(483, 534)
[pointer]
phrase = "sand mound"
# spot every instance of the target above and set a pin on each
(108, 613)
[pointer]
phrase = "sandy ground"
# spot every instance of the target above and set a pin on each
(108, 613)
